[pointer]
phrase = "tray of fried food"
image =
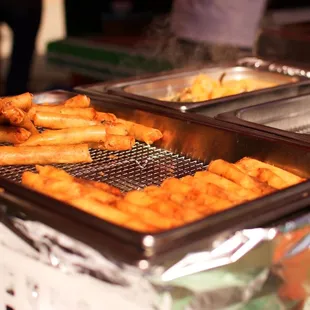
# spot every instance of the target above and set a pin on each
(62, 132)
(206, 88)
(174, 203)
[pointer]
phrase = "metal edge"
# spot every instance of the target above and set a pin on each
(232, 118)
(197, 119)
(116, 88)
(27, 195)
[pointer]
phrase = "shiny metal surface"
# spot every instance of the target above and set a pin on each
(147, 90)
(190, 142)
(288, 117)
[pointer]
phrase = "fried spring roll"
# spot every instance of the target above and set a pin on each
(140, 198)
(69, 136)
(117, 129)
(55, 173)
(89, 113)
(231, 172)
(204, 203)
(23, 101)
(115, 143)
(66, 190)
(105, 117)
(226, 184)
(251, 164)
(142, 133)
(29, 155)
(18, 117)
(13, 134)
(269, 177)
(89, 205)
(174, 185)
(101, 210)
(78, 101)
(147, 215)
(61, 121)
(204, 186)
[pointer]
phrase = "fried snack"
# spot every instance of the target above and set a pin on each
(55, 173)
(204, 88)
(23, 101)
(231, 172)
(115, 143)
(30, 155)
(70, 136)
(147, 215)
(84, 195)
(174, 203)
(117, 129)
(203, 186)
(60, 121)
(89, 113)
(142, 133)
(105, 117)
(18, 117)
(78, 101)
(82, 198)
(249, 164)
(269, 177)
(13, 134)
(227, 185)
(68, 189)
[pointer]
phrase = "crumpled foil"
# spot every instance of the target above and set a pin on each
(261, 268)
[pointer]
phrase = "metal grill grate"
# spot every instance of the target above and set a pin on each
(133, 169)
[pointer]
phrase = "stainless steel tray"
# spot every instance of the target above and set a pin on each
(288, 118)
(189, 143)
(149, 89)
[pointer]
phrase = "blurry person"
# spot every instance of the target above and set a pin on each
(24, 18)
(214, 30)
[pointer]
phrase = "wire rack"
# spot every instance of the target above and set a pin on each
(141, 166)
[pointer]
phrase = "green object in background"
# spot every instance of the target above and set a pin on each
(102, 60)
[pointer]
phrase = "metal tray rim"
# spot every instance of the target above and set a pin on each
(117, 88)
(233, 118)
(118, 232)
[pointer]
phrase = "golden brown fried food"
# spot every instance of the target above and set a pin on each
(71, 136)
(249, 164)
(55, 173)
(147, 215)
(115, 143)
(78, 101)
(141, 132)
(203, 186)
(13, 134)
(60, 121)
(231, 172)
(205, 88)
(17, 117)
(105, 117)
(225, 184)
(31, 155)
(69, 188)
(22, 101)
(269, 177)
(89, 113)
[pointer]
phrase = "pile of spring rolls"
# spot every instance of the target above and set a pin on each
(69, 129)
(174, 203)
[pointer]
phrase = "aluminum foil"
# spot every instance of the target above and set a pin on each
(261, 268)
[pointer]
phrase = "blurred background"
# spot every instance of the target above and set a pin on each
(67, 55)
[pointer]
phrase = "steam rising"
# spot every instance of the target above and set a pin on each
(161, 43)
